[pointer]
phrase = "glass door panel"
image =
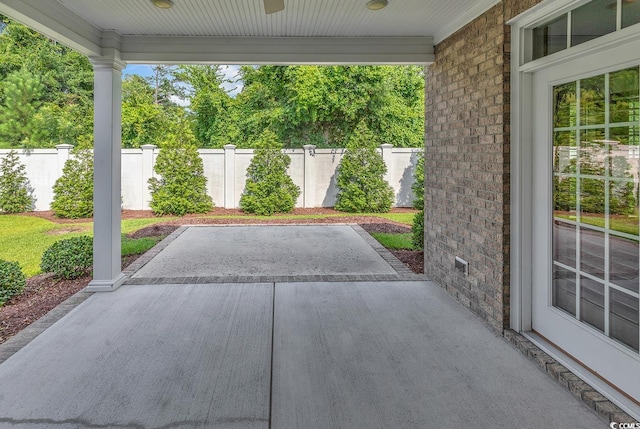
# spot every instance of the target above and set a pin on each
(596, 155)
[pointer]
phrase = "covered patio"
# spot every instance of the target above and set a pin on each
(312, 354)
(387, 352)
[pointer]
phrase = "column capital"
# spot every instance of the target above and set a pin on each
(111, 61)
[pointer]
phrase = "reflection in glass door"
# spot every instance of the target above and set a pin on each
(596, 159)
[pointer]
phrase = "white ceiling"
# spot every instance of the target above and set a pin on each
(246, 18)
(238, 31)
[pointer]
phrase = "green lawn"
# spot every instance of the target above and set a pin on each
(25, 238)
(394, 241)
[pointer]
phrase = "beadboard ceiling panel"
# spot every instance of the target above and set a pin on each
(301, 18)
(240, 32)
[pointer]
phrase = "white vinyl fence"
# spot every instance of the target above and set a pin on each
(313, 170)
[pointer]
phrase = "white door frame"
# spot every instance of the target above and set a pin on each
(522, 198)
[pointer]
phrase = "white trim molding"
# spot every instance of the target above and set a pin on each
(472, 13)
(278, 50)
(59, 23)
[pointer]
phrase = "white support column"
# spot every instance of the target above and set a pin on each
(64, 152)
(309, 173)
(386, 157)
(147, 173)
(229, 176)
(107, 269)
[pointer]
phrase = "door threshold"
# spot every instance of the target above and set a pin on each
(627, 404)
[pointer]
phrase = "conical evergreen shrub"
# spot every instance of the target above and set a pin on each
(360, 176)
(269, 189)
(181, 187)
(16, 194)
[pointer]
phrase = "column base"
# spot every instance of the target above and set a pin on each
(106, 285)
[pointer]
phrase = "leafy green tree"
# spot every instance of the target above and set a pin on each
(322, 105)
(166, 85)
(269, 189)
(16, 195)
(22, 91)
(67, 80)
(147, 121)
(182, 186)
(143, 121)
(73, 191)
(360, 176)
(211, 105)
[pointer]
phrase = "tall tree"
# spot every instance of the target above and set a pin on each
(21, 98)
(210, 104)
(64, 110)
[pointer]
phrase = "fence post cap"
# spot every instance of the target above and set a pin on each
(64, 146)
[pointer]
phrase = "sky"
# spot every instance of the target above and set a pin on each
(230, 72)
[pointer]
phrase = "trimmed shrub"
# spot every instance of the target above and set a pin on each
(69, 258)
(12, 280)
(269, 189)
(418, 184)
(182, 186)
(16, 194)
(417, 231)
(360, 176)
(73, 191)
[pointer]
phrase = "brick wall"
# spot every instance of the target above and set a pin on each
(467, 163)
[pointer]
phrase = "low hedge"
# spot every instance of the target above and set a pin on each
(70, 258)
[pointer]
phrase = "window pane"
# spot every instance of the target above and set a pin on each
(564, 290)
(623, 318)
(630, 16)
(592, 303)
(564, 243)
(623, 93)
(592, 252)
(550, 38)
(565, 152)
(622, 200)
(592, 99)
(592, 20)
(564, 99)
(623, 262)
(625, 137)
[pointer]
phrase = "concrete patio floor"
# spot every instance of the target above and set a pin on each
(339, 354)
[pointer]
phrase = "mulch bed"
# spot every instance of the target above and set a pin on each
(43, 292)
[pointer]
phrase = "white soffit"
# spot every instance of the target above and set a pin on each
(322, 31)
